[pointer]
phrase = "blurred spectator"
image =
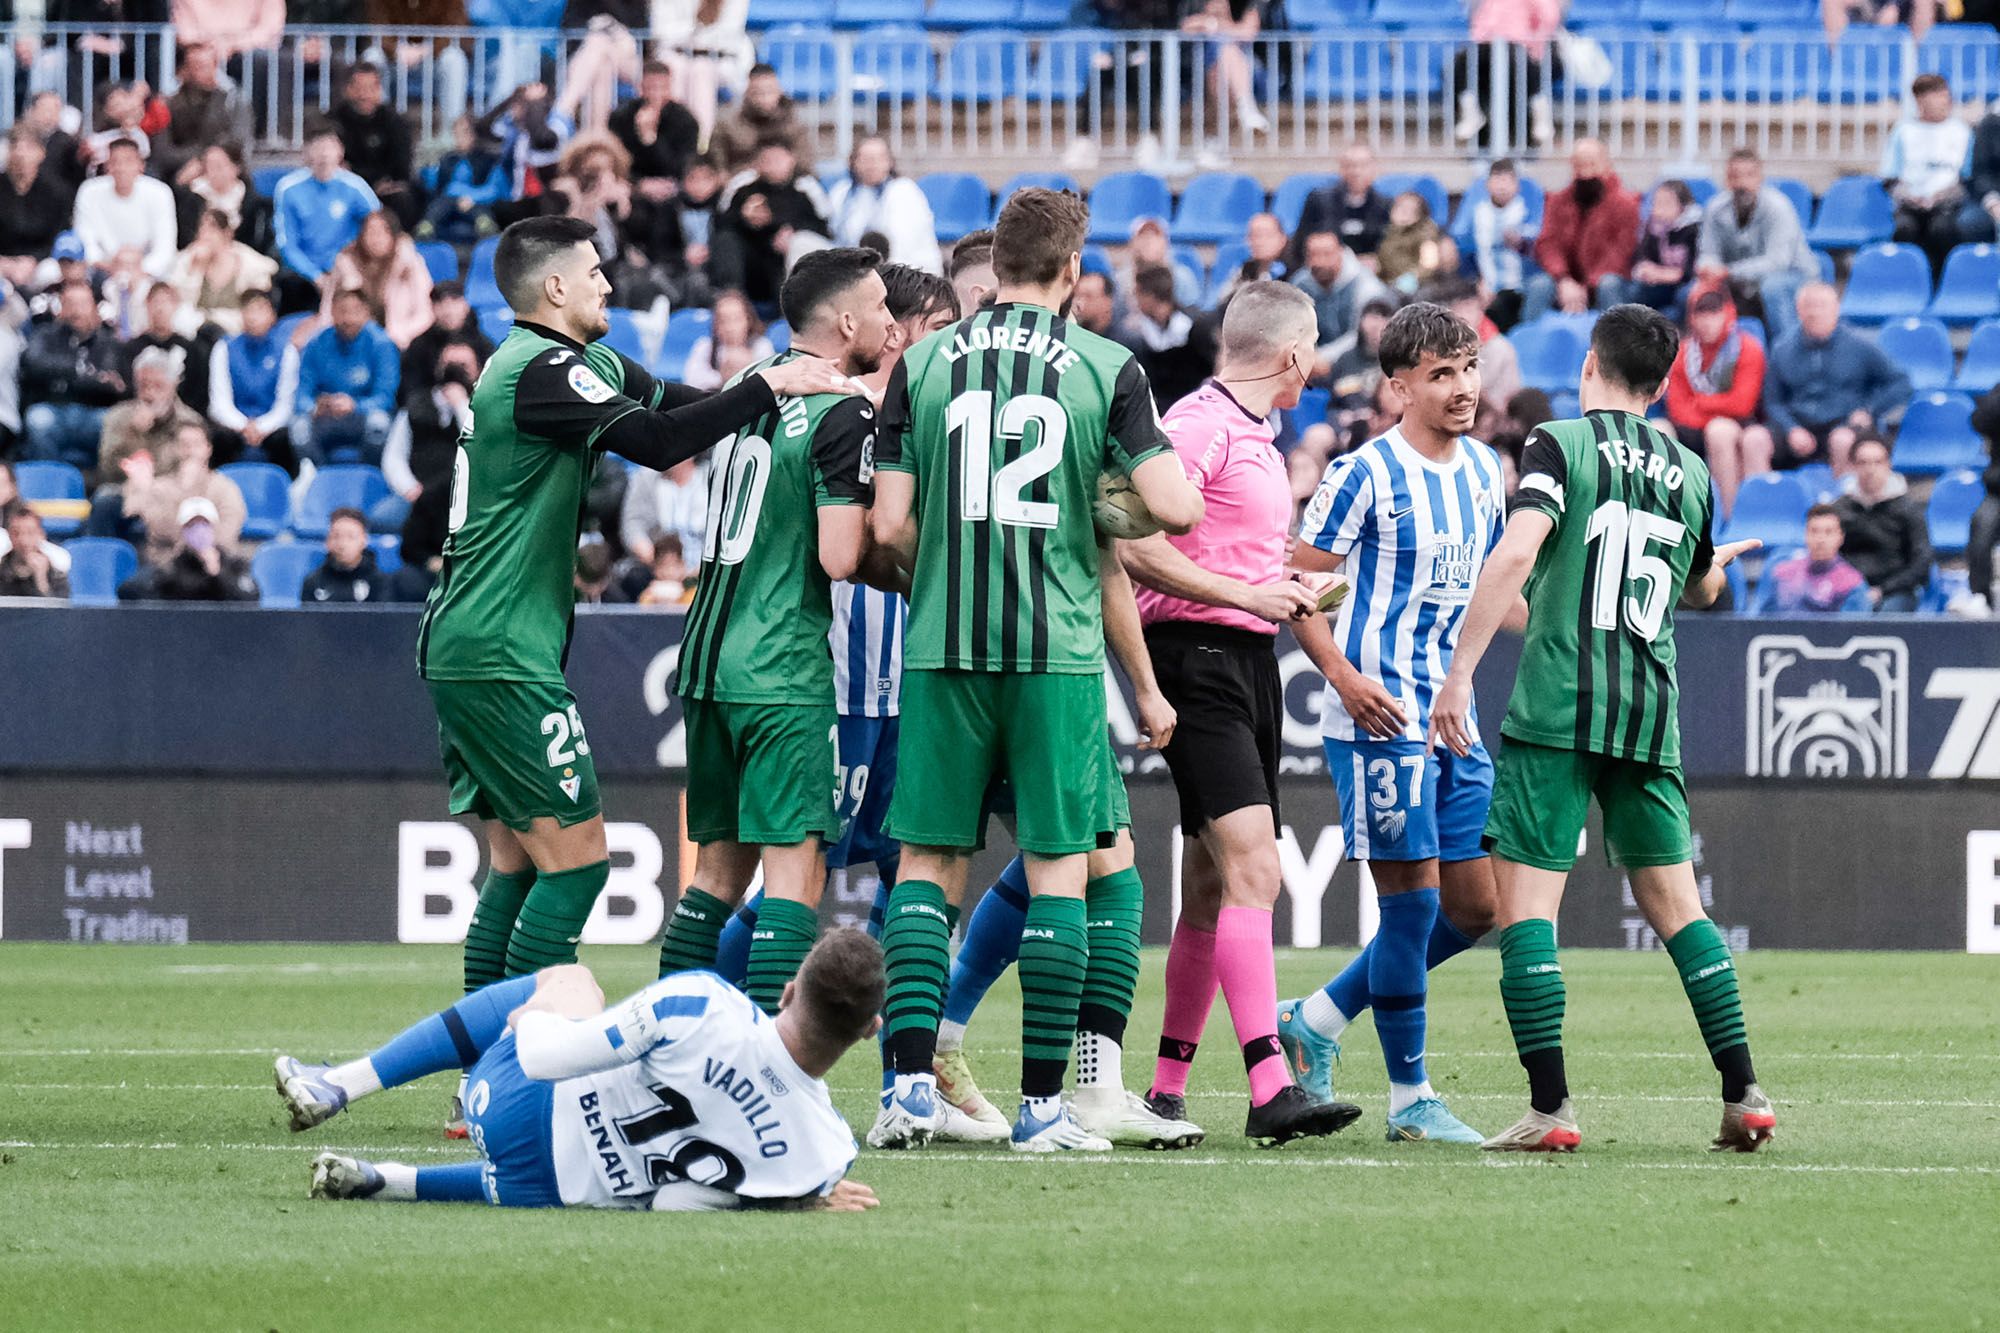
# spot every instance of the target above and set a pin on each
(1886, 534)
(1527, 409)
(70, 373)
(1977, 216)
(532, 135)
(593, 184)
(1816, 581)
(1712, 396)
(1356, 368)
(606, 58)
(1501, 242)
(705, 42)
(760, 224)
(383, 265)
(1149, 249)
(1351, 208)
(196, 570)
(224, 185)
(98, 58)
(349, 572)
(1339, 285)
(44, 293)
(10, 500)
(673, 581)
(674, 502)
(1590, 229)
(874, 198)
(659, 133)
(348, 376)
(125, 217)
(217, 271)
(1664, 263)
(1977, 600)
(376, 141)
(423, 544)
(1755, 240)
(451, 322)
(1824, 382)
(13, 341)
(471, 180)
(144, 508)
(1093, 306)
(594, 584)
(253, 381)
(1923, 163)
(1230, 27)
(150, 422)
(1161, 335)
(734, 341)
(121, 115)
(320, 207)
(204, 112)
(165, 320)
(35, 204)
(1414, 249)
(763, 113)
(1265, 237)
(970, 271)
(692, 213)
(232, 27)
(422, 447)
(1522, 30)
(26, 569)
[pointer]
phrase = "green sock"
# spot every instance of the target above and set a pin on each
(783, 937)
(1708, 975)
(693, 932)
(1113, 907)
(500, 899)
(916, 947)
(551, 920)
(1055, 952)
(1531, 988)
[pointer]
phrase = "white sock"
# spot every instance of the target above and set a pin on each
(357, 1077)
(1323, 1016)
(951, 1036)
(399, 1182)
(1402, 1096)
(1044, 1108)
(1100, 1062)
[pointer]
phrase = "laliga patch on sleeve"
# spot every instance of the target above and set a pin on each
(1317, 509)
(588, 387)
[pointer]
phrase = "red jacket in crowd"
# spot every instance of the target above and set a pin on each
(1586, 244)
(1736, 400)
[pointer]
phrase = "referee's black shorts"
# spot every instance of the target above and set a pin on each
(1224, 684)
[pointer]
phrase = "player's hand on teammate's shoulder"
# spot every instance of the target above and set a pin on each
(1451, 717)
(809, 375)
(849, 1196)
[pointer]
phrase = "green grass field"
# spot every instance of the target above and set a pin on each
(148, 1179)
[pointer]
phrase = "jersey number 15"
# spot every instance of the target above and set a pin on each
(1628, 572)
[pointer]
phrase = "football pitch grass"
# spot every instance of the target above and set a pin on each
(147, 1179)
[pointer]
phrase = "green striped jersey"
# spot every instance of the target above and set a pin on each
(757, 631)
(506, 594)
(1006, 419)
(1632, 510)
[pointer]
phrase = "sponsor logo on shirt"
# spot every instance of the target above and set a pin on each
(587, 386)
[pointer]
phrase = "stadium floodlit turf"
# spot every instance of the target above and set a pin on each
(148, 1179)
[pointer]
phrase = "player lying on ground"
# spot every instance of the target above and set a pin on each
(1409, 517)
(1610, 528)
(684, 1096)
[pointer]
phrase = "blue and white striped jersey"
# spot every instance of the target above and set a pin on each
(1415, 534)
(867, 645)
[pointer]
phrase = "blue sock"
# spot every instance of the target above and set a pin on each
(1349, 990)
(461, 1182)
(453, 1039)
(1447, 941)
(732, 952)
(886, 868)
(1396, 981)
(992, 942)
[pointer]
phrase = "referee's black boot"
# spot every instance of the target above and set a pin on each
(1292, 1114)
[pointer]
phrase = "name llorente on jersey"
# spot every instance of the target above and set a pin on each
(1020, 338)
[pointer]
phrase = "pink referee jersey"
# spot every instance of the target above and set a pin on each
(1231, 457)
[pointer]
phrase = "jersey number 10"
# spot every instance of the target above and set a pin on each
(1623, 561)
(985, 493)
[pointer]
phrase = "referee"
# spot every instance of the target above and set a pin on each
(1211, 602)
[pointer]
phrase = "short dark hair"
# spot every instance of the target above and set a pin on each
(322, 128)
(215, 217)
(1928, 83)
(342, 293)
(1503, 166)
(347, 511)
(593, 561)
(822, 277)
(526, 249)
(257, 294)
(915, 294)
(1636, 346)
(1421, 329)
(358, 68)
(841, 985)
(1744, 153)
(1679, 189)
(1872, 437)
(1036, 233)
(1093, 275)
(121, 142)
(655, 67)
(761, 68)
(447, 289)
(1822, 509)
(15, 510)
(973, 249)
(1154, 280)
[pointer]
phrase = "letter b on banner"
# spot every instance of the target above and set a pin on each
(437, 884)
(1982, 891)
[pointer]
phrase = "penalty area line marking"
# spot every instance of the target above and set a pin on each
(1509, 1161)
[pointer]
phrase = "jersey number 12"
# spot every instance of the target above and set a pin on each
(1628, 571)
(999, 495)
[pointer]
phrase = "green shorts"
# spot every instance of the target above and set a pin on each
(760, 773)
(963, 730)
(1541, 797)
(514, 750)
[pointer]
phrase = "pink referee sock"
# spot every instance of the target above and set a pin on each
(1190, 995)
(1249, 976)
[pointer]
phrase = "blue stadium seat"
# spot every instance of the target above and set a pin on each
(781, 13)
(1799, 193)
(1037, 15)
(440, 259)
(623, 335)
(985, 66)
(1770, 13)
(870, 13)
(1771, 506)
(1753, 327)
(388, 550)
(1818, 480)
(1793, 64)
(1828, 270)
(957, 15)
(280, 569)
(1364, 65)
(1665, 64)
(1045, 180)
(1855, 211)
(337, 486)
(1063, 69)
(1952, 502)
(1288, 201)
(1969, 288)
(1603, 11)
(1676, 13)
(267, 498)
(1229, 257)
(1120, 198)
(1945, 587)
(1968, 54)
(892, 63)
(1980, 370)
(1097, 259)
(97, 565)
(1937, 436)
(480, 288)
(685, 328)
(1922, 348)
(1326, 13)
(1406, 13)
(959, 202)
(807, 63)
(1392, 183)
(265, 179)
(1551, 354)
(1216, 207)
(779, 335)
(1886, 281)
(495, 322)
(58, 483)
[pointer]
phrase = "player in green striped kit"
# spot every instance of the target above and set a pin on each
(497, 627)
(1609, 530)
(994, 433)
(787, 514)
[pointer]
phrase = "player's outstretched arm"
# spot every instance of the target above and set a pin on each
(1172, 499)
(1493, 600)
(552, 1046)
(1156, 563)
(1126, 636)
(1701, 593)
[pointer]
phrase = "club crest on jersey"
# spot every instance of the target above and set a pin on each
(588, 387)
(570, 787)
(1389, 824)
(866, 472)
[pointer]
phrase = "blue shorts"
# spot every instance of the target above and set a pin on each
(508, 1116)
(1418, 806)
(865, 763)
